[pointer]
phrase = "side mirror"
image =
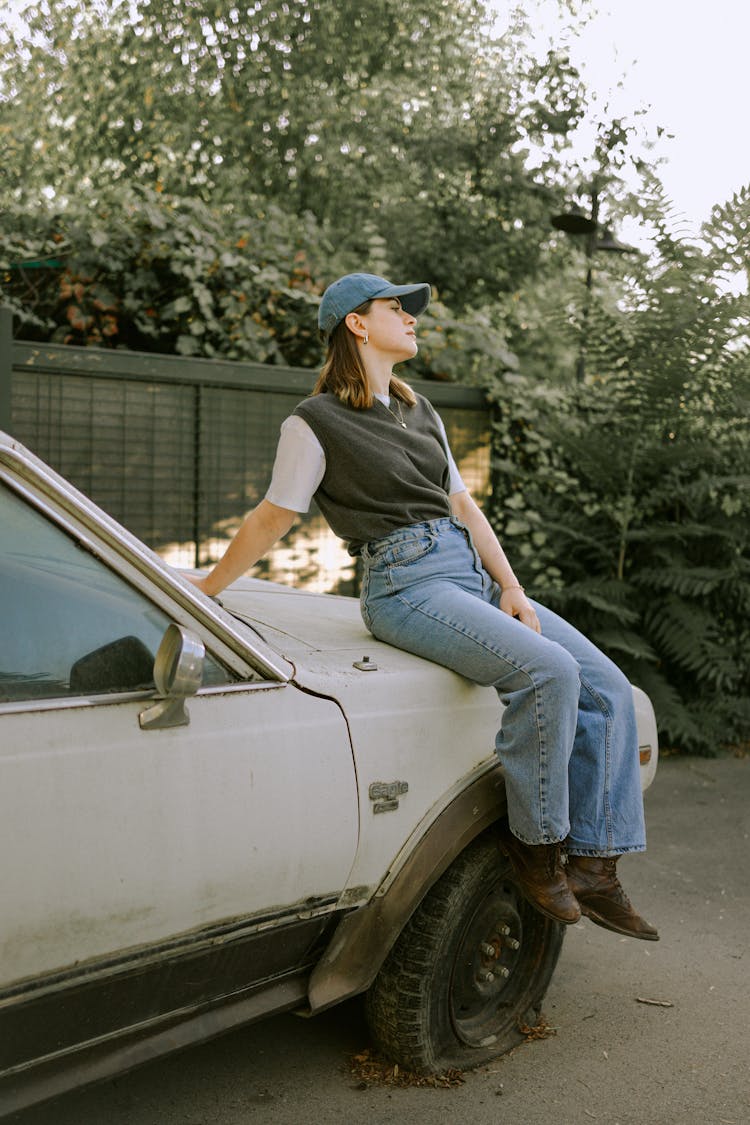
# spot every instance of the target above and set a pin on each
(178, 673)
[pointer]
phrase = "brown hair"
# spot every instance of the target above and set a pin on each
(343, 373)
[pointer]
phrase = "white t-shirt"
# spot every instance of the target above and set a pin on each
(300, 464)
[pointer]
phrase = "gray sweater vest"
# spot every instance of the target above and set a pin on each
(379, 476)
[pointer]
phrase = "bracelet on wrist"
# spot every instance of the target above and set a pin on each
(513, 586)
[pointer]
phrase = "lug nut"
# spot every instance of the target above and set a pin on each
(487, 976)
(487, 949)
(512, 943)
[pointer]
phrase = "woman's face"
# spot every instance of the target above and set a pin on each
(391, 330)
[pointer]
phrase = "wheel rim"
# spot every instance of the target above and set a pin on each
(490, 966)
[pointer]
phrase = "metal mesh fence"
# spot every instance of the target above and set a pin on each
(179, 450)
(129, 446)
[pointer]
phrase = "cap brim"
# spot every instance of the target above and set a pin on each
(414, 298)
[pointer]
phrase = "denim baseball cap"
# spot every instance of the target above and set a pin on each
(352, 290)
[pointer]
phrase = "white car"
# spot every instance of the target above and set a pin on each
(210, 813)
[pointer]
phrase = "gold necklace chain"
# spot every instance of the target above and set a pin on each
(400, 416)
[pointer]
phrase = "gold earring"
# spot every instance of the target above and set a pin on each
(366, 339)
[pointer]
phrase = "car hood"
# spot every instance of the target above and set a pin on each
(324, 637)
(296, 622)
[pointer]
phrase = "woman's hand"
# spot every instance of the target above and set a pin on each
(514, 602)
(196, 579)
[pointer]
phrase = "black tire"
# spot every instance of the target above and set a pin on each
(472, 964)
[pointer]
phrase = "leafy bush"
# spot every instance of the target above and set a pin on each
(143, 270)
(140, 269)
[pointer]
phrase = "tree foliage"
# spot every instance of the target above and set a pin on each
(141, 269)
(200, 173)
(411, 124)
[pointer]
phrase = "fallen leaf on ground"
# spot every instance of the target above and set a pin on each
(656, 1003)
(540, 1030)
(371, 1070)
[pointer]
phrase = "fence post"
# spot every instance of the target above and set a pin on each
(6, 366)
(197, 469)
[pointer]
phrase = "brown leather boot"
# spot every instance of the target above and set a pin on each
(593, 880)
(541, 878)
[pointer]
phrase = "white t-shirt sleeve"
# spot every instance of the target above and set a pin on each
(299, 466)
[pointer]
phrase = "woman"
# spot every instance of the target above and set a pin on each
(437, 583)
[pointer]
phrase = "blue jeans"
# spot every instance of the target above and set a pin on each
(568, 740)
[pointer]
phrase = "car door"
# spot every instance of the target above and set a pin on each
(121, 844)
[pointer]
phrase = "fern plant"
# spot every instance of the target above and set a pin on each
(625, 501)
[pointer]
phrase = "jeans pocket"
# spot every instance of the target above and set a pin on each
(411, 550)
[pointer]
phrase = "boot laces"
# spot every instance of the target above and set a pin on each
(610, 866)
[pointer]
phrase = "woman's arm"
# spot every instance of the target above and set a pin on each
(257, 534)
(297, 471)
(513, 600)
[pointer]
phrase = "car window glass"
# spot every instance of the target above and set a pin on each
(70, 625)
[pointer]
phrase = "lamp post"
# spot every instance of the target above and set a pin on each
(6, 365)
(576, 223)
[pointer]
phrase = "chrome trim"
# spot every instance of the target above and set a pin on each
(75, 702)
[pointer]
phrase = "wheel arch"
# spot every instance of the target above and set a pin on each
(364, 938)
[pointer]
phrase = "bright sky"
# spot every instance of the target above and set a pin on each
(688, 60)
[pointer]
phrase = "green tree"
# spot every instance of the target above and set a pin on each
(408, 124)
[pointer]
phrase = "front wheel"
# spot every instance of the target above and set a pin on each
(472, 964)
